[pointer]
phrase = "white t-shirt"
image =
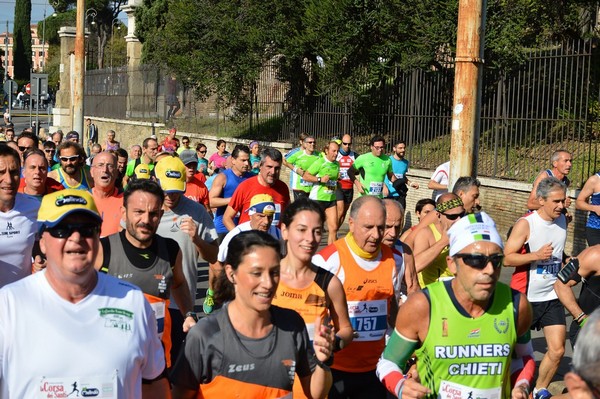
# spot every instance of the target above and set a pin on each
(440, 175)
(17, 236)
(50, 347)
(274, 231)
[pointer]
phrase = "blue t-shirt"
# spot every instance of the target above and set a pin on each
(400, 168)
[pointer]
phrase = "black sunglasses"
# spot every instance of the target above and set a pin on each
(479, 261)
(23, 149)
(347, 143)
(86, 230)
(455, 216)
(202, 152)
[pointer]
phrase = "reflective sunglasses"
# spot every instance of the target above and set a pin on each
(479, 261)
(69, 159)
(455, 216)
(85, 229)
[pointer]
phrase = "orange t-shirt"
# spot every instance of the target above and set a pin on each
(110, 211)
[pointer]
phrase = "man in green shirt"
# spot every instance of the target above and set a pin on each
(372, 168)
(470, 334)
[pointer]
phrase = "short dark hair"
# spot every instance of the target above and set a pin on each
(29, 135)
(270, 152)
(70, 144)
(422, 202)
(147, 140)
(146, 185)
(122, 152)
(49, 144)
(240, 147)
(35, 151)
(8, 151)
(375, 139)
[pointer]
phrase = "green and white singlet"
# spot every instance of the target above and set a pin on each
(465, 357)
(321, 168)
(302, 160)
(372, 172)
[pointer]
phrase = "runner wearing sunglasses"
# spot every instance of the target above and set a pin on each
(470, 334)
(431, 243)
(72, 172)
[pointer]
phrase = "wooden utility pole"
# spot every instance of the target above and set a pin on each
(79, 69)
(467, 89)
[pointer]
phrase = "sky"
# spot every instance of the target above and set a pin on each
(7, 12)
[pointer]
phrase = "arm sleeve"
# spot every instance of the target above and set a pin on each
(522, 366)
(397, 352)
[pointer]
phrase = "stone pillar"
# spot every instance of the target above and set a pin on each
(141, 86)
(63, 108)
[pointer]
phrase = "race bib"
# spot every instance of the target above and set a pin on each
(277, 215)
(98, 386)
(159, 309)
(344, 175)
(375, 188)
(452, 390)
(305, 183)
(369, 319)
(548, 268)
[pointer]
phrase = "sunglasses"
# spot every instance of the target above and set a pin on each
(346, 143)
(455, 216)
(69, 159)
(202, 152)
(23, 149)
(85, 230)
(309, 142)
(49, 151)
(479, 261)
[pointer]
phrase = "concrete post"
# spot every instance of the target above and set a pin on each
(62, 116)
(79, 69)
(467, 89)
(136, 82)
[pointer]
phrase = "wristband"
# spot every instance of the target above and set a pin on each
(583, 321)
(192, 315)
(578, 318)
(326, 365)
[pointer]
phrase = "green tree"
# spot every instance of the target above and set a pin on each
(22, 40)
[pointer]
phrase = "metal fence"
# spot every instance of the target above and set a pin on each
(551, 102)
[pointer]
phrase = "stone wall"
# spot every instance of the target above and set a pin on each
(504, 200)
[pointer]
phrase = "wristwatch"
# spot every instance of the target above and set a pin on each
(193, 315)
(318, 180)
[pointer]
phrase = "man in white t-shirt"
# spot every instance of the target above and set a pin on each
(98, 334)
(261, 211)
(18, 220)
(439, 180)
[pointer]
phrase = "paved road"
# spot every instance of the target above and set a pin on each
(539, 343)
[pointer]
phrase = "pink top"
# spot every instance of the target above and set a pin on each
(218, 160)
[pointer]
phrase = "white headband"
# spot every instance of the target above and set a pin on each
(472, 228)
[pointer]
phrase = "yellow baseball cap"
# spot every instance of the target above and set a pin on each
(262, 203)
(58, 205)
(171, 174)
(142, 171)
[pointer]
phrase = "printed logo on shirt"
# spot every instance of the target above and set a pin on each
(474, 333)
(9, 226)
(240, 368)
(120, 319)
(501, 326)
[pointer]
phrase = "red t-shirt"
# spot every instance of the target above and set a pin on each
(110, 210)
(250, 187)
(197, 191)
(51, 185)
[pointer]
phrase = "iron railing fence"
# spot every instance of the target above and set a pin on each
(552, 101)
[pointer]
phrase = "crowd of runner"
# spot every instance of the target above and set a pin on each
(87, 231)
